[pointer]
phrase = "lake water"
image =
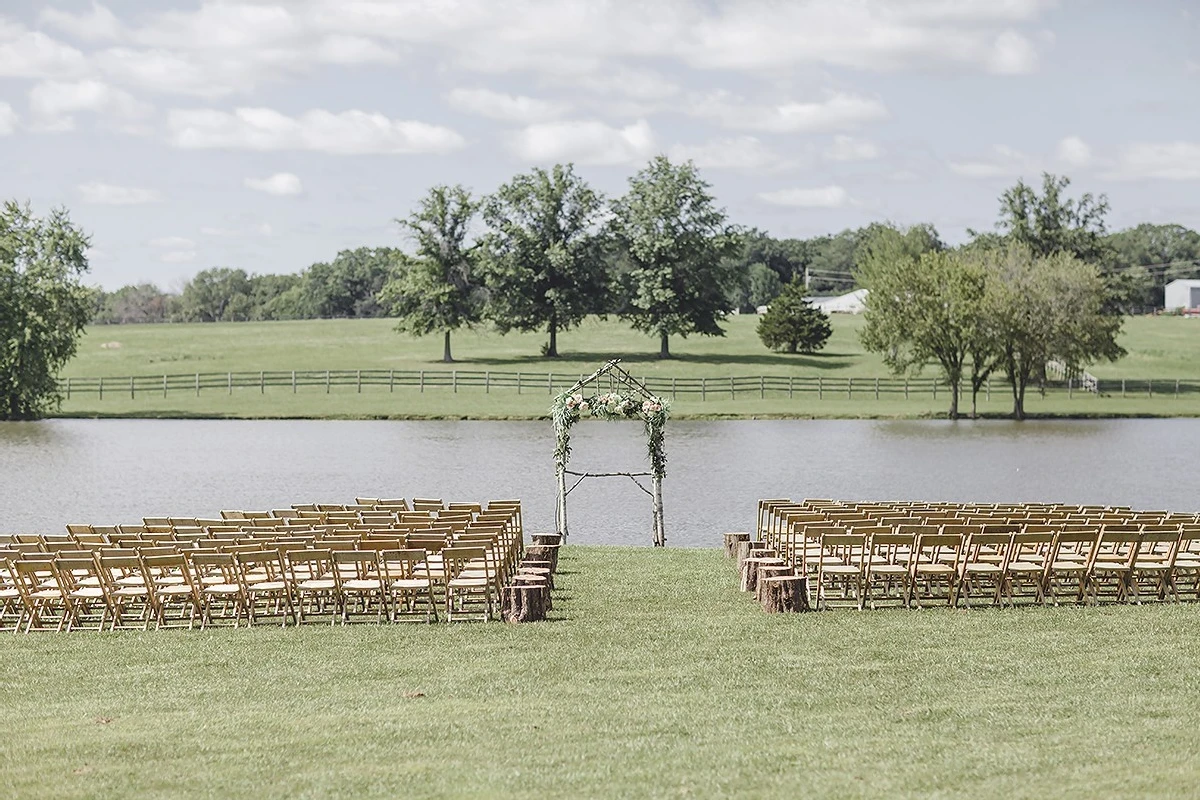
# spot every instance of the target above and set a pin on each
(112, 471)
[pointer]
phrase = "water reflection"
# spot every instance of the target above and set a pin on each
(119, 470)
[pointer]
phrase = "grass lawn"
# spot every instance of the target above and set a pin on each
(1159, 347)
(656, 678)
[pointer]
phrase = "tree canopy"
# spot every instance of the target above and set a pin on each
(792, 324)
(544, 258)
(677, 243)
(43, 306)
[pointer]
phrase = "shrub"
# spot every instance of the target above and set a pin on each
(793, 324)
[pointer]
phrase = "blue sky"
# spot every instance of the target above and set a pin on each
(269, 135)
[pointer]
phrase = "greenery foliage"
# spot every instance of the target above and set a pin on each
(793, 324)
(570, 407)
(677, 244)
(43, 306)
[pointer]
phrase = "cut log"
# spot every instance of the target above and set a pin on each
(749, 576)
(785, 594)
(540, 583)
(731, 542)
(521, 603)
(747, 549)
(543, 552)
(545, 538)
(770, 571)
(537, 568)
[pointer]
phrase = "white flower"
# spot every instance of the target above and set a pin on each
(583, 405)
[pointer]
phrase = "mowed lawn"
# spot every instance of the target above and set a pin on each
(1160, 348)
(656, 678)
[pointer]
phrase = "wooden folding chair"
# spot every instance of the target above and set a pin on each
(83, 581)
(126, 587)
(889, 569)
(310, 574)
(216, 579)
(466, 589)
(265, 585)
(1151, 576)
(172, 589)
(1028, 560)
(42, 593)
(410, 592)
(983, 566)
(360, 584)
(841, 568)
(1069, 563)
(935, 566)
(1111, 566)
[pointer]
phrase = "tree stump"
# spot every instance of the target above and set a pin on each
(770, 571)
(785, 594)
(523, 603)
(537, 568)
(543, 552)
(731, 542)
(545, 538)
(538, 581)
(749, 577)
(748, 549)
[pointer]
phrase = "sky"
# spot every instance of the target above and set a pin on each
(271, 135)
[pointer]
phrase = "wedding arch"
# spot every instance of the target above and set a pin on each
(625, 398)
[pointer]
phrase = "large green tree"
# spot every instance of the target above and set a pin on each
(923, 304)
(1043, 308)
(792, 323)
(678, 245)
(220, 294)
(1051, 222)
(43, 306)
(544, 258)
(1147, 257)
(438, 290)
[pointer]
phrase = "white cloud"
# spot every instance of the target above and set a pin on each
(98, 24)
(1004, 162)
(1011, 54)
(836, 112)
(264, 229)
(742, 152)
(586, 142)
(1179, 161)
(345, 133)
(177, 256)
(173, 242)
(53, 103)
(8, 119)
(347, 50)
(281, 183)
(504, 107)
(848, 148)
(820, 197)
(1074, 151)
(33, 54)
(107, 194)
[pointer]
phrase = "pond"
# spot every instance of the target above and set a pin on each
(113, 471)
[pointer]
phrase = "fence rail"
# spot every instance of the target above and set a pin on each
(702, 388)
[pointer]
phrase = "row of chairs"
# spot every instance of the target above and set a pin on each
(865, 562)
(67, 583)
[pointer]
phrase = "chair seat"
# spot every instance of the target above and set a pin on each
(265, 586)
(977, 566)
(361, 584)
(934, 569)
(175, 589)
(1025, 566)
(222, 588)
(83, 593)
(409, 583)
(468, 582)
(319, 584)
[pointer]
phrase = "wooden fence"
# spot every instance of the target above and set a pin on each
(704, 388)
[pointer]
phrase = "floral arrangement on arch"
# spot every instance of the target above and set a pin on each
(569, 408)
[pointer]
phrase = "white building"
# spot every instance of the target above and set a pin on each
(852, 303)
(1182, 294)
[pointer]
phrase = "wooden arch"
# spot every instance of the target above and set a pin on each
(646, 406)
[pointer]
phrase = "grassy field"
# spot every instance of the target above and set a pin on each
(655, 678)
(1159, 347)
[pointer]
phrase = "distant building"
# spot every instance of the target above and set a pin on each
(1182, 294)
(852, 303)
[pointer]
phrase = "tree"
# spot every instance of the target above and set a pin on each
(1171, 251)
(793, 324)
(922, 305)
(216, 295)
(43, 306)
(1043, 308)
(678, 245)
(139, 303)
(438, 290)
(544, 259)
(1051, 223)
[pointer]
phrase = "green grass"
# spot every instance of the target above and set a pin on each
(656, 678)
(1159, 347)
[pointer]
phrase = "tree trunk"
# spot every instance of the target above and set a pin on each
(664, 350)
(954, 390)
(552, 349)
(783, 594)
(731, 542)
(446, 357)
(523, 603)
(1019, 400)
(974, 398)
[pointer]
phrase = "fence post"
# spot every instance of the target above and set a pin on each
(877, 388)
(197, 384)
(1150, 387)
(421, 381)
(358, 380)
(131, 395)
(68, 387)
(101, 388)
(905, 387)
(1122, 387)
(849, 388)
(454, 380)
(326, 381)
(1177, 387)
(732, 392)
(229, 381)
(988, 396)
(262, 382)
(549, 383)
(518, 383)
(820, 390)
(703, 389)
(935, 388)
(391, 380)
(487, 382)
(790, 379)
(1070, 394)
(673, 388)
(762, 387)
(293, 381)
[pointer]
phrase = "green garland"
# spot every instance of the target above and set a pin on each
(570, 408)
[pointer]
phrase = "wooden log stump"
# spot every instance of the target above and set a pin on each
(731, 542)
(748, 549)
(749, 576)
(545, 538)
(543, 552)
(770, 571)
(522, 603)
(538, 581)
(537, 568)
(783, 594)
